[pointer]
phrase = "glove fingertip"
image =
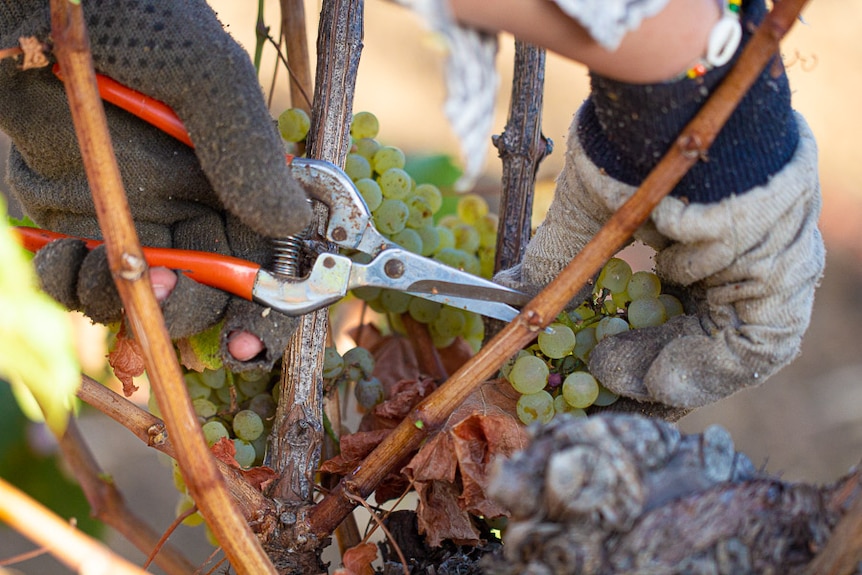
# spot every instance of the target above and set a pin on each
(192, 307)
(274, 329)
(57, 266)
(99, 297)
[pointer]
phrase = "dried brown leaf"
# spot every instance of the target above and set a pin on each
(258, 477)
(357, 560)
(127, 361)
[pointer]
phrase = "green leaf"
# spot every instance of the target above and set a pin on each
(437, 169)
(205, 345)
(37, 352)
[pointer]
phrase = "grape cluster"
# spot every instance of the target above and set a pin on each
(239, 407)
(355, 367)
(408, 213)
(552, 376)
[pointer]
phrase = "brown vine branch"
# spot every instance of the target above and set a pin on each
(108, 506)
(691, 145)
(843, 552)
(73, 548)
(126, 260)
(299, 67)
(255, 507)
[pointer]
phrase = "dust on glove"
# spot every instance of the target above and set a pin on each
(223, 197)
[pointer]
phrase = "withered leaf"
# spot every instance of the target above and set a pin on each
(259, 477)
(357, 560)
(127, 361)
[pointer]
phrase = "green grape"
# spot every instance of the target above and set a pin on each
(365, 147)
(449, 321)
(557, 341)
(538, 406)
(450, 221)
(395, 184)
(177, 477)
(367, 293)
(644, 284)
(260, 445)
(195, 386)
(487, 261)
(408, 239)
(153, 405)
(475, 326)
(609, 307)
(251, 387)
(204, 408)
(369, 392)
(214, 430)
(184, 503)
(615, 275)
(333, 363)
(245, 453)
(487, 228)
(672, 305)
(364, 125)
(606, 397)
(264, 405)
(529, 374)
(430, 239)
(395, 301)
(471, 208)
(361, 358)
(293, 124)
(580, 389)
(646, 312)
(431, 194)
(610, 326)
(214, 378)
(585, 341)
(357, 167)
(439, 340)
(506, 368)
(247, 425)
(423, 310)
(421, 214)
(391, 216)
(458, 259)
(376, 305)
(621, 300)
(561, 406)
(387, 157)
(447, 238)
(222, 395)
(466, 238)
(370, 191)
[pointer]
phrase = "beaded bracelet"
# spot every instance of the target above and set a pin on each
(723, 40)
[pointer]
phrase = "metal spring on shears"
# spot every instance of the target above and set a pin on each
(286, 257)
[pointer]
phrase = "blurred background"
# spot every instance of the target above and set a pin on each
(805, 423)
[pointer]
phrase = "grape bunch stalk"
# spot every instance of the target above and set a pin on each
(552, 374)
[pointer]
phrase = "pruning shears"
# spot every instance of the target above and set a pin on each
(332, 276)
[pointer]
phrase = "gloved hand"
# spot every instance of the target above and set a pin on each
(738, 235)
(224, 196)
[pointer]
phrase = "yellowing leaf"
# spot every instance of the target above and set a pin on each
(37, 353)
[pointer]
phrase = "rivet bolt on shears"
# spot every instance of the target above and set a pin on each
(350, 226)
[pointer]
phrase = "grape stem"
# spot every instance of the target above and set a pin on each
(694, 141)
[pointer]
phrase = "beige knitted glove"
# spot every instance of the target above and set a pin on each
(748, 266)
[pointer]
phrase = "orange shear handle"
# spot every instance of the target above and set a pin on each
(226, 273)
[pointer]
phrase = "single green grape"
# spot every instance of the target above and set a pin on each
(184, 504)
(580, 389)
(447, 238)
(487, 227)
(370, 191)
(449, 321)
(557, 341)
(357, 167)
(293, 124)
(643, 284)
(538, 406)
(395, 301)
(458, 259)
(264, 405)
(431, 194)
(608, 326)
(562, 406)
(361, 358)
(251, 387)
(214, 430)
(213, 378)
(369, 392)
(391, 216)
(646, 312)
(421, 214)
(333, 363)
(615, 275)
(409, 239)
(423, 310)
(365, 147)
(606, 397)
(364, 125)
(395, 183)
(471, 208)
(245, 453)
(247, 425)
(430, 239)
(204, 408)
(672, 305)
(529, 374)
(195, 386)
(387, 157)
(466, 238)
(585, 341)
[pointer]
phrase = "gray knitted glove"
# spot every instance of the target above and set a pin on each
(749, 264)
(220, 197)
